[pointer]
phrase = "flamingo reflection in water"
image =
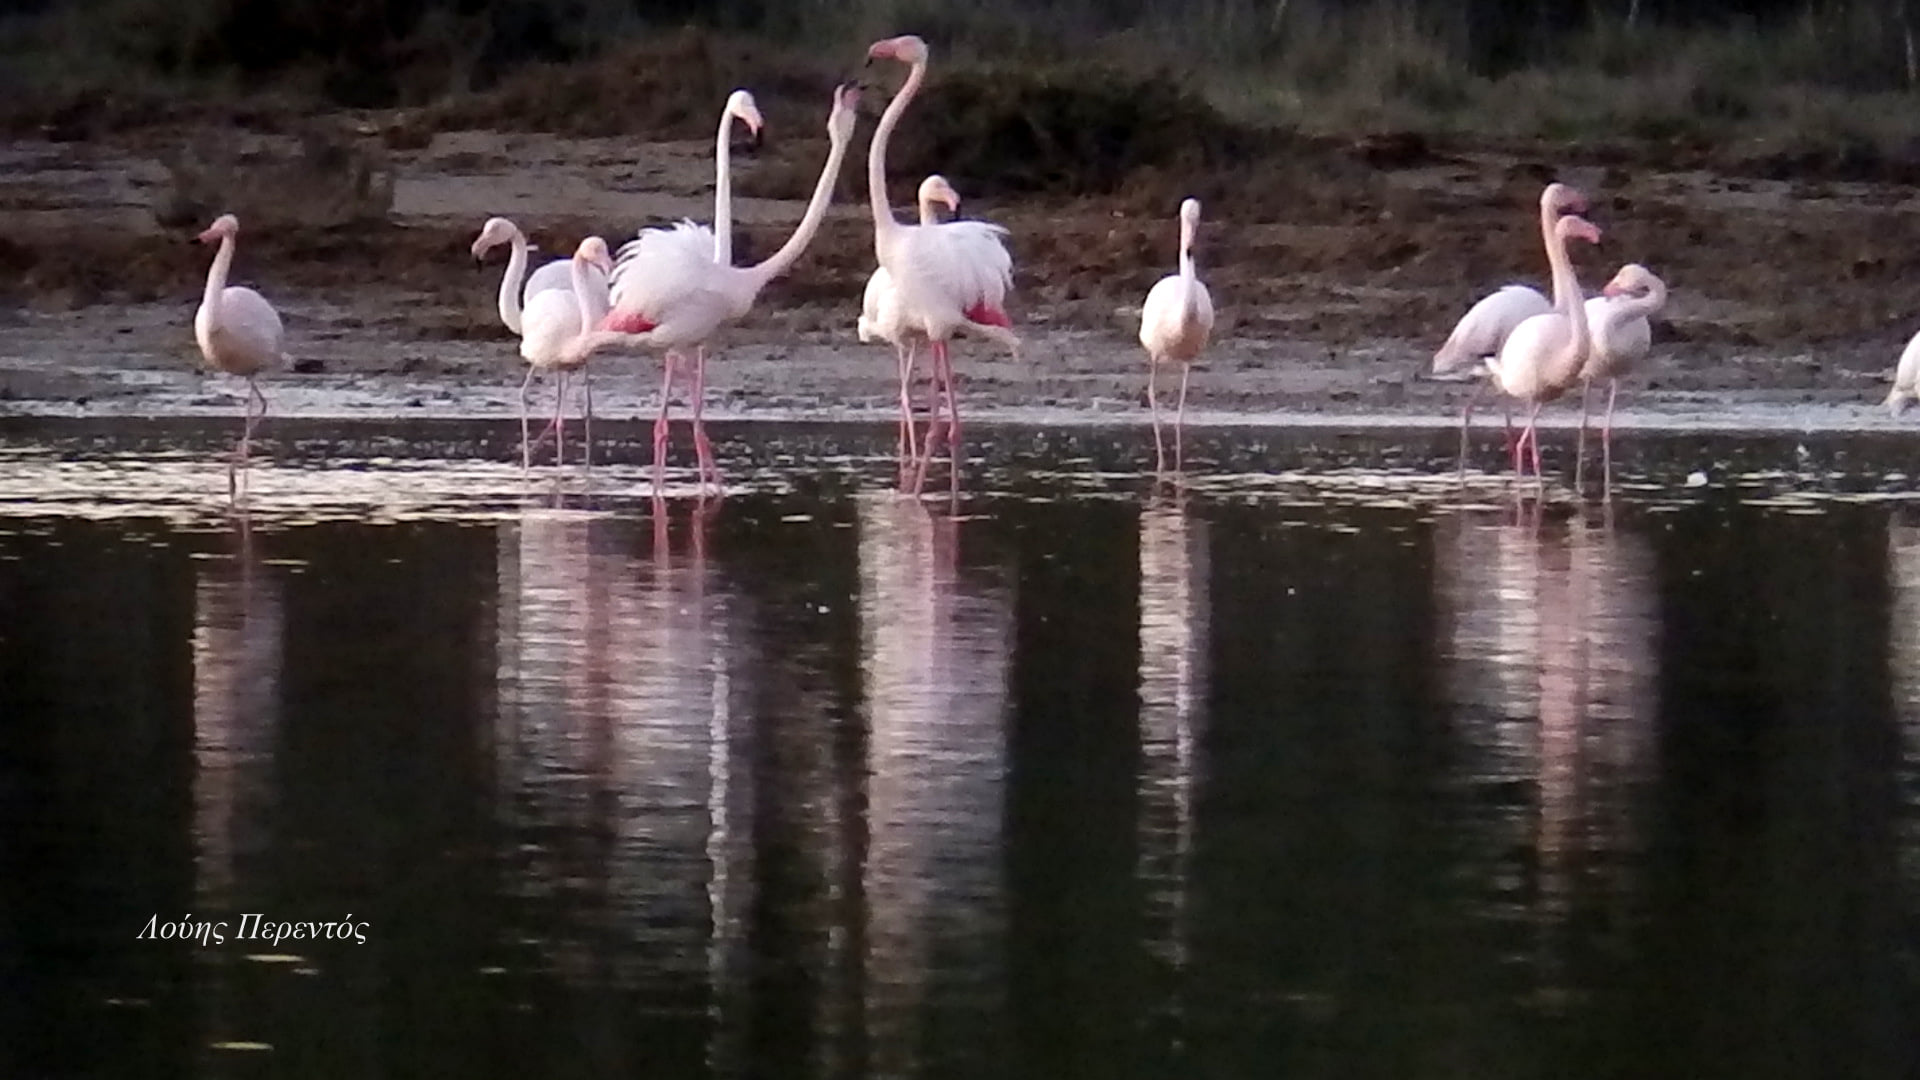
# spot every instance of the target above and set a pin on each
(1551, 630)
(933, 654)
(239, 624)
(622, 753)
(1174, 601)
(1903, 562)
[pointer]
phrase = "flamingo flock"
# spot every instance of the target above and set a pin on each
(672, 289)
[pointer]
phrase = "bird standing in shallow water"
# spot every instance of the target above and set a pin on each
(239, 333)
(881, 316)
(1175, 324)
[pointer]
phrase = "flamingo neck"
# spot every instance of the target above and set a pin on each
(883, 223)
(511, 284)
(1568, 301)
(1547, 220)
(723, 192)
(929, 215)
(593, 306)
(1638, 307)
(1188, 272)
(778, 263)
(217, 278)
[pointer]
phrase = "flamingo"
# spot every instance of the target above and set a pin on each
(1175, 323)
(1621, 337)
(551, 317)
(1478, 335)
(238, 332)
(674, 287)
(1546, 353)
(556, 274)
(554, 318)
(951, 276)
(880, 314)
(1906, 378)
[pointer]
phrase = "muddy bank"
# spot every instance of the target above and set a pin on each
(1336, 273)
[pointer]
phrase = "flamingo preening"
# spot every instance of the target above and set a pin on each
(1175, 323)
(517, 287)
(239, 333)
(952, 276)
(674, 287)
(1621, 334)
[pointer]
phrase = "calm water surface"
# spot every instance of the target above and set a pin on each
(1326, 765)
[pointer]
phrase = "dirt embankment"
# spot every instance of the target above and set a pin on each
(1787, 273)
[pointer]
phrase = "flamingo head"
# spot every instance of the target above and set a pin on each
(593, 250)
(1190, 213)
(496, 231)
(224, 226)
(1631, 280)
(1575, 227)
(1560, 199)
(936, 189)
(742, 107)
(846, 111)
(906, 48)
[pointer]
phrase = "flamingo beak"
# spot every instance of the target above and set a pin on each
(209, 236)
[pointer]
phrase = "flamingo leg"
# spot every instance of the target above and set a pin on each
(1180, 422)
(1153, 406)
(1533, 439)
(1580, 444)
(586, 383)
(953, 403)
(660, 422)
(1506, 423)
(942, 384)
(239, 458)
(559, 421)
(1466, 421)
(701, 445)
(909, 447)
(526, 443)
(1606, 442)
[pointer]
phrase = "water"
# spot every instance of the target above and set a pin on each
(1329, 764)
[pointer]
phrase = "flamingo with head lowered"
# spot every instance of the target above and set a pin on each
(239, 333)
(674, 287)
(1545, 354)
(951, 277)
(881, 316)
(1477, 337)
(1617, 323)
(1175, 323)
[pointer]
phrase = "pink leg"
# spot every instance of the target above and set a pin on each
(953, 403)
(667, 363)
(1153, 409)
(1180, 422)
(526, 444)
(936, 423)
(701, 445)
(586, 383)
(1466, 421)
(1580, 443)
(1606, 442)
(1533, 439)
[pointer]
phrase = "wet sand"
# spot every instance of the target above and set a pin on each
(1790, 298)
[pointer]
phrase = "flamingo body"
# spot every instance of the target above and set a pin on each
(1175, 323)
(1486, 326)
(1906, 378)
(242, 334)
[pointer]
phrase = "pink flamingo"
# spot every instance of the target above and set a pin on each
(1546, 353)
(1175, 322)
(951, 276)
(1617, 324)
(881, 317)
(1477, 337)
(674, 287)
(239, 333)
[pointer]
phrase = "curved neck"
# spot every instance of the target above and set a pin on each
(723, 192)
(1567, 300)
(1547, 221)
(515, 278)
(777, 263)
(877, 151)
(928, 215)
(217, 275)
(1639, 307)
(592, 310)
(1187, 271)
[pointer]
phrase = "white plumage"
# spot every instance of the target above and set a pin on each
(1175, 323)
(1906, 378)
(1486, 326)
(883, 317)
(238, 332)
(517, 287)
